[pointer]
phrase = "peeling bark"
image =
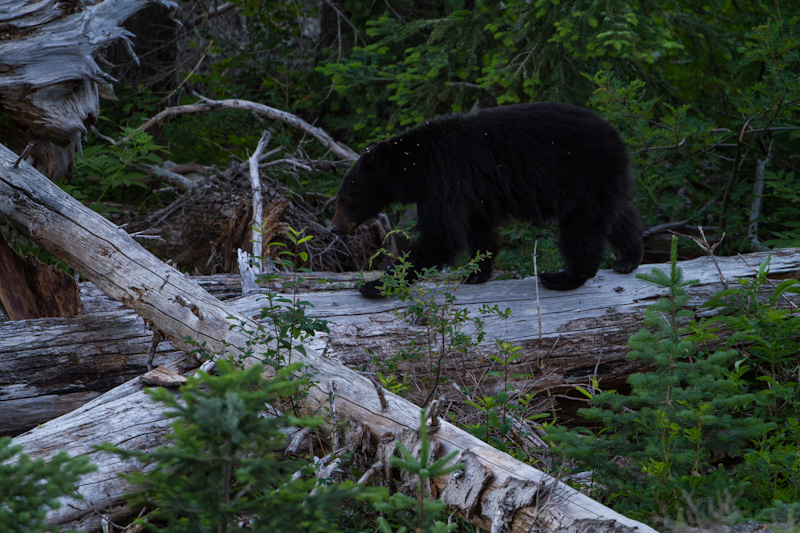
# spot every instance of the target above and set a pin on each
(31, 289)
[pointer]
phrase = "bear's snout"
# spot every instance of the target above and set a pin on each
(340, 225)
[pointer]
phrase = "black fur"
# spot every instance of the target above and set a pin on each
(469, 174)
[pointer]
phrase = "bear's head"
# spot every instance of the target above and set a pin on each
(364, 191)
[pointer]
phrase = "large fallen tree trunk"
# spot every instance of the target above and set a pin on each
(49, 367)
(564, 338)
(489, 496)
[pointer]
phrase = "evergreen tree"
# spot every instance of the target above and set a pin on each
(28, 487)
(664, 442)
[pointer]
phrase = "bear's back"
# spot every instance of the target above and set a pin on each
(550, 159)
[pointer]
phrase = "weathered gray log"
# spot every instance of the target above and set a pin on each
(50, 83)
(51, 366)
(48, 367)
(584, 333)
(180, 308)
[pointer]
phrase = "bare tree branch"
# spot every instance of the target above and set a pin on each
(338, 149)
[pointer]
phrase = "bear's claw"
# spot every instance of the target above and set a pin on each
(372, 289)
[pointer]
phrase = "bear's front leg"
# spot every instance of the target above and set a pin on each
(428, 251)
(483, 239)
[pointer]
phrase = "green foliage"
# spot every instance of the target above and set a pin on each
(449, 330)
(28, 487)
(501, 410)
(135, 106)
(106, 172)
(105, 168)
(222, 461)
(425, 511)
(783, 191)
(665, 141)
(518, 242)
(284, 326)
(393, 384)
(678, 420)
(765, 333)
(447, 58)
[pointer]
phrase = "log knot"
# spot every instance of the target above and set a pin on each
(185, 302)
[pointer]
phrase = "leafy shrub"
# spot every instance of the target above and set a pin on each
(106, 168)
(449, 330)
(766, 334)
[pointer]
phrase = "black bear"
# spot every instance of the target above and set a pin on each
(469, 174)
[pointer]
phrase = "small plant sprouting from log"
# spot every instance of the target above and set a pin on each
(449, 329)
(503, 408)
(285, 327)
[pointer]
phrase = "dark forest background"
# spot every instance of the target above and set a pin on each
(706, 95)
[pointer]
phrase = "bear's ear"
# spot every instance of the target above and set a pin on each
(376, 156)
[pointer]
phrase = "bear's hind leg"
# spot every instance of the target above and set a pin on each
(626, 239)
(582, 243)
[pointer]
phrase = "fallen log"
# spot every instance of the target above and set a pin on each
(180, 308)
(564, 338)
(49, 367)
